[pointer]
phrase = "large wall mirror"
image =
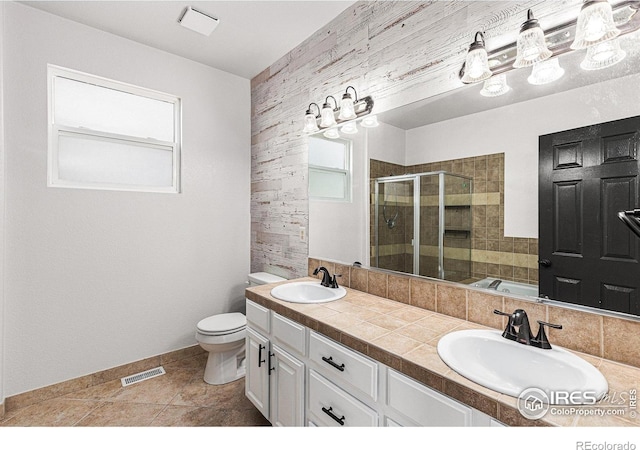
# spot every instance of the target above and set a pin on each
(465, 168)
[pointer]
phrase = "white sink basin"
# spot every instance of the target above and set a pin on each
(307, 292)
(485, 357)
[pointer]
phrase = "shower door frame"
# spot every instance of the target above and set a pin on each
(416, 215)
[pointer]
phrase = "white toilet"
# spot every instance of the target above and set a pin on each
(223, 336)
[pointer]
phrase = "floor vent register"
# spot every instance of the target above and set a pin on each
(142, 376)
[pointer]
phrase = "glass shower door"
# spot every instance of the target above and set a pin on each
(393, 228)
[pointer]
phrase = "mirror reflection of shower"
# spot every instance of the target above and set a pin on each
(391, 222)
(421, 224)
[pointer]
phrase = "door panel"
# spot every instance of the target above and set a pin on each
(567, 218)
(586, 176)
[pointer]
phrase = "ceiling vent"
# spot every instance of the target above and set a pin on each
(198, 21)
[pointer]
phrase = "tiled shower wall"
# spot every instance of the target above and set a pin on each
(395, 51)
(492, 253)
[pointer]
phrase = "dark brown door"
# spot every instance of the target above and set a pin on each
(587, 254)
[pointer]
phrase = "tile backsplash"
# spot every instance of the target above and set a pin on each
(600, 335)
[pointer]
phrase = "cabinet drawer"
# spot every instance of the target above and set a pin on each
(289, 334)
(424, 405)
(344, 366)
(258, 316)
(331, 406)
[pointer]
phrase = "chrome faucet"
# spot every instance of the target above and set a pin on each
(327, 281)
(519, 330)
(494, 284)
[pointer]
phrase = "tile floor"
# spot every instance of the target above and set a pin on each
(179, 398)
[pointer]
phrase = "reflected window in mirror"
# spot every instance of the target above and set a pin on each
(330, 169)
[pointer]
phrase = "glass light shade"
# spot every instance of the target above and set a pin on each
(328, 118)
(476, 66)
(546, 72)
(310, 124)
(349, 128)
(531, 47)
(495, 86)
(595, 24)
(603, 55)
(347, 108)
(331, 134)
(370, 122)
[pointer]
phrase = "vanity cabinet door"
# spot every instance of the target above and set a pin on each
(287, 389)
(257, 377)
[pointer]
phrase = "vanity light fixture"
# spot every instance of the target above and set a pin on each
(603, 55)
(532, 47)
(328, 113)
(311, 120)
(595, 24)
(546, 72)
(595, 29)
(476, 64)
(347, 104)
(346, 116)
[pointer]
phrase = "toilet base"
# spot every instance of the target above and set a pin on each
(225, 367)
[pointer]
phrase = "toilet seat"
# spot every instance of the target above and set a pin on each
(222, 324)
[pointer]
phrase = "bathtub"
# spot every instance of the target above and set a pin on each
(509, 287)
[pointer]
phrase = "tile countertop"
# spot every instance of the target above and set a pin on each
(405, 337)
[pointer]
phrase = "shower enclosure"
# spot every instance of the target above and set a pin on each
(421, 224)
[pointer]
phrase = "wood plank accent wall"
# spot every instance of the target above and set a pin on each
(395, 51)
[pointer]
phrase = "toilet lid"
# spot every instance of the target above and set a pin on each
(222, 323)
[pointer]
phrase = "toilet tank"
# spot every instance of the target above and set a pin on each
(258, 278)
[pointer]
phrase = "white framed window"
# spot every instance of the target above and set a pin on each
(329, 169)
(104, 134)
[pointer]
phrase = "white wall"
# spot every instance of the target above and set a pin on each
(96, 279)
(514, 130)
(387, 143)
